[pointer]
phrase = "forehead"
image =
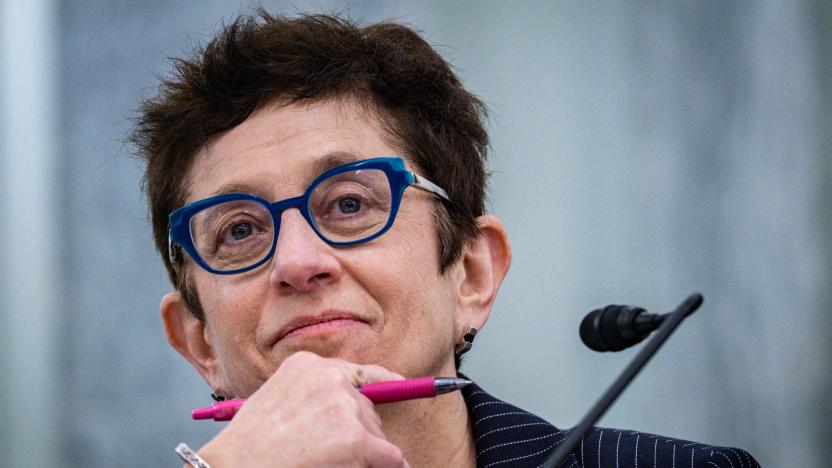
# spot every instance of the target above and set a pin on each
(279, 149)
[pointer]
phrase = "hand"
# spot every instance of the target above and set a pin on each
(308, 414)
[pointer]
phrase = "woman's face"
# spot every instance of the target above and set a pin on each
(382, 302)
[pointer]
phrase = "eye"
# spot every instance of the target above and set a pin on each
(238, 232)
(349, 205)
(241, 231)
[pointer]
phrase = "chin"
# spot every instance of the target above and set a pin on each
(347, 348)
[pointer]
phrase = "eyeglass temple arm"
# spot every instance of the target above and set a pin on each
(173, 254)
(428, 186)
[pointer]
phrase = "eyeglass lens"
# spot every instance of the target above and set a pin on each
(346, 207)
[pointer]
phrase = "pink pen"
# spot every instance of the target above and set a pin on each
(378, 392)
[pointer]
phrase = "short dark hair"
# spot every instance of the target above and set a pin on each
(260, 58)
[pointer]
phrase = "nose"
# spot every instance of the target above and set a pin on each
(302, 262)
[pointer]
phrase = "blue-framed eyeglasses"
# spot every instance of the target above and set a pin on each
(347, 205)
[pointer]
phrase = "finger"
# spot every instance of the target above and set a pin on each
(362, 374)
(304, 361)
(368, 416)
(382, 454)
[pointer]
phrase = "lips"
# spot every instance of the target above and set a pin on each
(331, 319)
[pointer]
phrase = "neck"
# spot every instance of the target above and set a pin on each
(431, 432)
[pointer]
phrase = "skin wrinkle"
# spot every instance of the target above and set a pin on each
(344, 108)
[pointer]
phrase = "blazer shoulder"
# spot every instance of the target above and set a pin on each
(604, 447)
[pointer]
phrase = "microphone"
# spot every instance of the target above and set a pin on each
(614, 328)
(617, 327)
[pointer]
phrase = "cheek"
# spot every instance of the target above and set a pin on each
(418, 303)
(233, 313)
(224, 302)
(231, 310)
(402, 264)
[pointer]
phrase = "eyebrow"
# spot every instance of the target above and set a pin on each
(327, 162)
(331, 161)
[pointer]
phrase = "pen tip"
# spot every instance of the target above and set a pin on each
(460, 383)
(202, 413)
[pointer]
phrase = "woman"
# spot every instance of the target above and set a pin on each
(317, 195)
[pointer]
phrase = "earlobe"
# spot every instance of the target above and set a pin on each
(484, 264)
(187, 334)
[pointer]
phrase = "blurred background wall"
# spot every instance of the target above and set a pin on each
(641, 150)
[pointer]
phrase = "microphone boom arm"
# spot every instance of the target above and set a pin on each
(667, 327)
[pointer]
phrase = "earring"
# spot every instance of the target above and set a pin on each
(216, 396)
(467, 342)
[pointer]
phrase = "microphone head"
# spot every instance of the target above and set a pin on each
(611, 328)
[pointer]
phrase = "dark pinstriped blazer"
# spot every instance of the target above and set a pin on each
(506, 436)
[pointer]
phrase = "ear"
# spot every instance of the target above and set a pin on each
(484, 263)
(189, 335)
